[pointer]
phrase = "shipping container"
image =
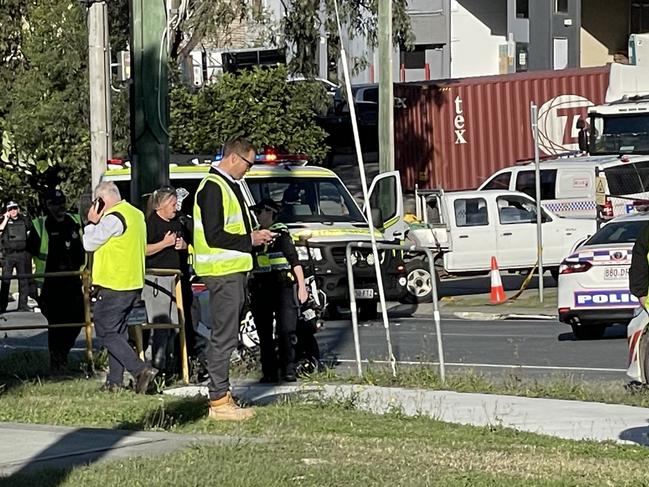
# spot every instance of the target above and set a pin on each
(453, 134)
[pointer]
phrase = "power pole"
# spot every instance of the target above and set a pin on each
(149, 98)
(99, 80)
(386, 94)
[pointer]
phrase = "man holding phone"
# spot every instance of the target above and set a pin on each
(116, 235)
(223, 242)
(15, 229)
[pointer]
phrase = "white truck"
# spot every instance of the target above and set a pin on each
(467, 228)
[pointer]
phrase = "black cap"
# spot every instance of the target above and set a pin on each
(55, 196)
(12, 204)
(266, 203)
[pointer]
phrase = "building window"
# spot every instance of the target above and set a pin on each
(639, 16)
(561, 6)
(415, 59)
(522, 9)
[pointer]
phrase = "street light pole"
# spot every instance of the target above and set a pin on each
(99, 89)
(386, 95)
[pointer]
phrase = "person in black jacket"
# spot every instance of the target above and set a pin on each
(639, 271)
(15, 229)
(277, 290)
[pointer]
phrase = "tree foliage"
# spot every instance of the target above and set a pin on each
(45, 127)
(261, 105)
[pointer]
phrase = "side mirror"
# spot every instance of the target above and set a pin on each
(377, 218)
(582, 137)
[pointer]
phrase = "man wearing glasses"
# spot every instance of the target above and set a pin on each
(223, 242)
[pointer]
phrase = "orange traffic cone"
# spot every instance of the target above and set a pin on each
(497, 290)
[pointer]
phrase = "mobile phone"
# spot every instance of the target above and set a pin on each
(99, 204)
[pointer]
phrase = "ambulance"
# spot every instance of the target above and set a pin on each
(322, 217)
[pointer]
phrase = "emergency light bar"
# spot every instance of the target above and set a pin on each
(272, 156)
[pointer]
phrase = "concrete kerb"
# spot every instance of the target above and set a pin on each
(573, 420)
(480, 316)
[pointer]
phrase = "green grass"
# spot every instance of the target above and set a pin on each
(322, 444)
(315, 444)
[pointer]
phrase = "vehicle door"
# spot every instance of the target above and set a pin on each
(575, 193)
(472, 234)
(516, 230)
(386, 201)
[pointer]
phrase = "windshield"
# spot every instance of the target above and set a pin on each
(618, 233)
(619, 134)
(309, 200)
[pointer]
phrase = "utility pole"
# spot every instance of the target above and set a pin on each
(149, 98)
(99, 80)
(386, 94)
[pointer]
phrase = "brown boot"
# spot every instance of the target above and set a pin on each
(225, 409)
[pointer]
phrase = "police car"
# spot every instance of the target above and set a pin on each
(321, 215)
(594, 280)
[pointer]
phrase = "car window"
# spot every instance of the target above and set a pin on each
(499, 181)
(618, 233)
(471, 212)
(516, 209)
(526, 183)
(303, 200)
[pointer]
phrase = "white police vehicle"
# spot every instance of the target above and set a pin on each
(594, 280)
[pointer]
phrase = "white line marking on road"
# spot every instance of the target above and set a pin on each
(493, 366)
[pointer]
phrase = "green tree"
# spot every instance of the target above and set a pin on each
(45, 128)
(260, 104)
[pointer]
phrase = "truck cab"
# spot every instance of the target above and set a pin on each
(322, 217)
(470, 227)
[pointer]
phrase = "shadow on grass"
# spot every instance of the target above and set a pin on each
(50, 461)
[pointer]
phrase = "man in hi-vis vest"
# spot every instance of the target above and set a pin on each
(223, 241)
(117, 236)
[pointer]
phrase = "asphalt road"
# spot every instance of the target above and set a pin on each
(532, 348)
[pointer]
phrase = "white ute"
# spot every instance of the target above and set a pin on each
(467, 228)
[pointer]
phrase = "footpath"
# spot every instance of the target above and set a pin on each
(30, 447)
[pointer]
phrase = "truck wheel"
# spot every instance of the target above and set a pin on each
(367, 310)
(419, 284)
(588, 332)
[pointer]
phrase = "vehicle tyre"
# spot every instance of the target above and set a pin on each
(419, 285)
(367, 310)
(588, 332)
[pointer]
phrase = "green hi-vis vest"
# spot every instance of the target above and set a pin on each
(39, 227)
(210, 261)
(272, 261)
(119, 263)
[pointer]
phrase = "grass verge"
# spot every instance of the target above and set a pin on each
(313, 444)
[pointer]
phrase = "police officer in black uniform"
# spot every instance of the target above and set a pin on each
(15, 229)
(56, 246)
(277, 289)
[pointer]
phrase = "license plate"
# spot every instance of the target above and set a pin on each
(364, 293)
(614, 273)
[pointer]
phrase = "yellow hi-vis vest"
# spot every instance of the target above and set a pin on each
(39, 227)
(210, 261)
(119, 263)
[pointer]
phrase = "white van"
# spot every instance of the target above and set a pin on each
(569, 185)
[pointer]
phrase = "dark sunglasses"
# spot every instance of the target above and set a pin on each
(250, 164)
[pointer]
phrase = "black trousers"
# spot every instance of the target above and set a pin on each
(111, 310)
(22, 262)
(275, 301)
(227, 299)
(61, 301)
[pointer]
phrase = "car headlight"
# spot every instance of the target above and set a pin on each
(302, 253)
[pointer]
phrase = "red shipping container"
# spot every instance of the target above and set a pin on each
(453, 134)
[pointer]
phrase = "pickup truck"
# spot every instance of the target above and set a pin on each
(467, 228)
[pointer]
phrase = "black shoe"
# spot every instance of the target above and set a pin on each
(144, 379)
(266, 379)
(289, 378)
